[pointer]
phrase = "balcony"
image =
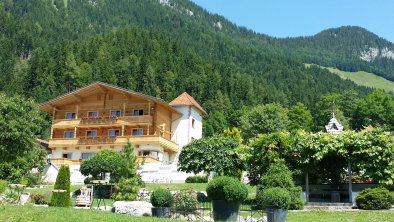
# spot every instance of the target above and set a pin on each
(102, 121)
(97, 140)
(64, 161)
(114, 140)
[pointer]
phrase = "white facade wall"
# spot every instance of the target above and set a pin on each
(183, 131)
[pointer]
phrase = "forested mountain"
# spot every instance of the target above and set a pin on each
(165, 47)
(346, 48)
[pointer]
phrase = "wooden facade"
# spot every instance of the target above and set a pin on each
(107, 117)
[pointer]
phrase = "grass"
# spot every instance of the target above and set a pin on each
(52, 214)
(364, 79)
(40, 214)
(338, 216)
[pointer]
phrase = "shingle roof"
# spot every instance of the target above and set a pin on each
(186, 99)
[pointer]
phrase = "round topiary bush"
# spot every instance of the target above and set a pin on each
(274, 198)
(227, 189)
(375, 199)
(162, 198)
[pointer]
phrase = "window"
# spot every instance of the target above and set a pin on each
(67, 155)
(71, 115)
(154, 154)
(116, 113)
(91, 133)
(146, 153)
(69, 135)
(114, 132)
(193, 123)
(138, 112)
(93, 114)
(137, 132)
(86, 155)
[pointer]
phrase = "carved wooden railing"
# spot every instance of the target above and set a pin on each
(99, 120)
(97, 140)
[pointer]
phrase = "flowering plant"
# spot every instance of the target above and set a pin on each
(38, 198)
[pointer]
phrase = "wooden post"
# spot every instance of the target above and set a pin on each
(149, 109)
(76, 113)
(306, 187)
(350, 183)
(122, 130)
(51, 132)
(75, 132)
(53, 113)
(124, 110)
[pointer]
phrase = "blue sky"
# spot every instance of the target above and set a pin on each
(283, 18)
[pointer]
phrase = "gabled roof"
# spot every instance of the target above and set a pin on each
(186, 100)
(76, 96)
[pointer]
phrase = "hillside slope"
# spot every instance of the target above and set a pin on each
(40, 60)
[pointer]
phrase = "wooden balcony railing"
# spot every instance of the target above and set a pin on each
(97, 140)
(102, 120)
(64, 161)
(99, 120)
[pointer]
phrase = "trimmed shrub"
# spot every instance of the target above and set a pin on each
(62, 199)
(375, 199)
(186, 201)
(162, 198)
(278, 175)
(227, 189)
(3, 185)
(274, 198)
(197, 179)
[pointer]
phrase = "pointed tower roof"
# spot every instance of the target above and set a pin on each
(334, 126)
(186, 100)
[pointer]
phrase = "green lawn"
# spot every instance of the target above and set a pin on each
(40, 214)
(52, 214)
(364, 79)
(337, 216)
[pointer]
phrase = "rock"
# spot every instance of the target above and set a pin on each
(134, 208)
(240, 218)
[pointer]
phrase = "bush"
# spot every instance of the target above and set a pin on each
(227, 189)
(278, 175)
(3, 185)
(296, 201)
(186, 201)
(127, 189)
(62, 199)
(197, 179)
(274, 198)
(38, 198)
(375, 199)
(33, 179)
(162, 198)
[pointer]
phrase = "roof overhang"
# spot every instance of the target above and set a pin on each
(77, 96)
